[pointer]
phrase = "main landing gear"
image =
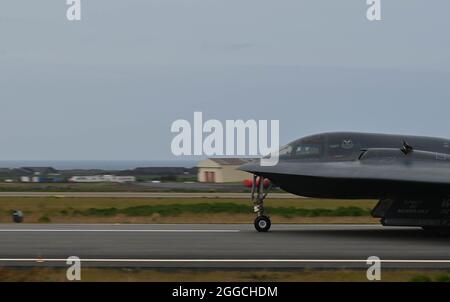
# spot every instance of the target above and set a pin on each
(262, 222)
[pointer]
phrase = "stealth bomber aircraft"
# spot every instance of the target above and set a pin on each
(409, 175)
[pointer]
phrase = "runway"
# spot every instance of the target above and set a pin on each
(143, 195)
(220, 246)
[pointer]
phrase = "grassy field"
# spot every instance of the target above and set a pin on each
(66, 187)
(170, 210)
(203, 275)
(99, 187)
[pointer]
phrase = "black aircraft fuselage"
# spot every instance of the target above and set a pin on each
(398, 169)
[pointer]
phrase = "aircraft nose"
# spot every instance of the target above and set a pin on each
(251, 167)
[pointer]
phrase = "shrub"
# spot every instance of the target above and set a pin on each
(443, 278)
(44, 219)
(420, 278)
(207, 208)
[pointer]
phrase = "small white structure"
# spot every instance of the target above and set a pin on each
(221, 170)
(25, 179)
(103, 178)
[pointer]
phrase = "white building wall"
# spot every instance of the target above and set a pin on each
(223, 173)
(202, 175)
(103, 178)
(231, 174)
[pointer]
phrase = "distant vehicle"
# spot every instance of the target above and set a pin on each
(156, 181)
(409, 175)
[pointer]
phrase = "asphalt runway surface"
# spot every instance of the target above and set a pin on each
(220, 246)
(143, 195)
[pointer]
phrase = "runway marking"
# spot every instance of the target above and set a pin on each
(41, 260)
(114, 231)
(206, 224)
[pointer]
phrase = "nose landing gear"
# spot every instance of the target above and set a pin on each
(262, 222)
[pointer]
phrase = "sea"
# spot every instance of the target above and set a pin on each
(97, 164)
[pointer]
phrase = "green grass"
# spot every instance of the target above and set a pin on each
(210, 208)
(420, 278)
(426, 278)
(443, 278)
(90, 274)
(144, 210)
(82, 203)
(66, 187)
(103, 187)
(44, 219)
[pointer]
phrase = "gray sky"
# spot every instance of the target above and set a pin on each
(110, 86)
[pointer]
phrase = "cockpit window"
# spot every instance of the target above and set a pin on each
(306, 150)
(285, 152)
(310, 148)
(343, 148)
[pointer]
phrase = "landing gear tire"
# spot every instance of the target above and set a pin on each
(262, 224)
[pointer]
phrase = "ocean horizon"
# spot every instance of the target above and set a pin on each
(97, 164)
